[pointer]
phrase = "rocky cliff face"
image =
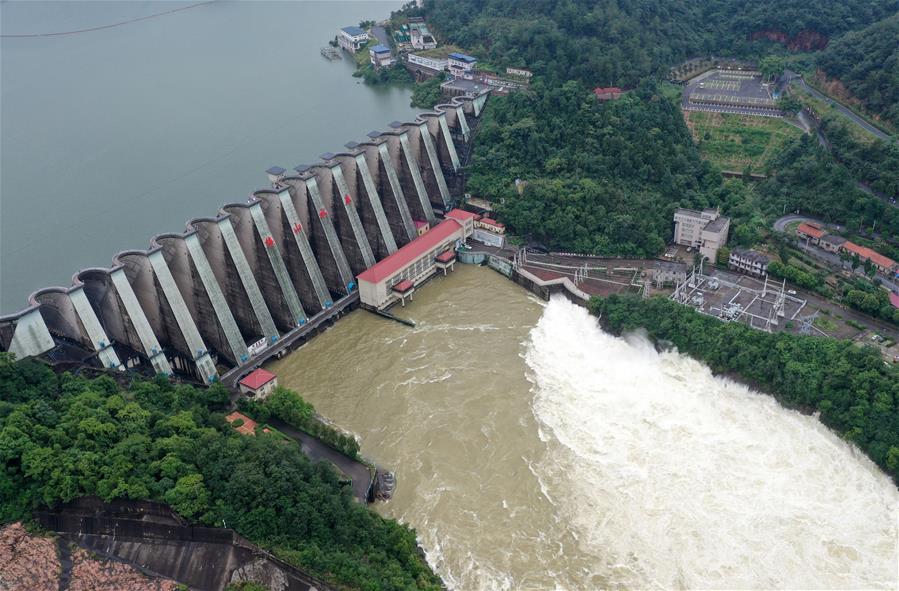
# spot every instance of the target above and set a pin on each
(801, 41)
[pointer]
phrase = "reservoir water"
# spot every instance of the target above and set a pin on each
(533, 450)
(112, 136)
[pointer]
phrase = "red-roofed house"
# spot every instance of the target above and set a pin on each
(810, 232)
(894, 299)
(421, 227)
(415, 262)
(884, 264)
(258, 384)
(608, 93)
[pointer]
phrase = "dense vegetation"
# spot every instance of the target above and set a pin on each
(290, 407)
(855, 392)
(867, 63)
(603, 178)
(623, 41)
(428, 93)
(63, 437)
(806, 177)
(870, 160)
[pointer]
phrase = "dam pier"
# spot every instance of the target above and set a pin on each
(231, 290)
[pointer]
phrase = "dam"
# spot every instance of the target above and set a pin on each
(212, 302)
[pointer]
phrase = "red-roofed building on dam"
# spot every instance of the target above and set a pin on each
(259, 384)
(394, 278)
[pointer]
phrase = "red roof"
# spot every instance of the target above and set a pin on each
(864, 252)
(492, 222)
(403, 286)
(810, 230)
(420, 224)
(257, 379)
(894, 299)
(461, 214)
(447, 256)
(411, 252)
(606, 90)
(249, 425)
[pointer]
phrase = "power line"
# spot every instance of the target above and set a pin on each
(109, 26)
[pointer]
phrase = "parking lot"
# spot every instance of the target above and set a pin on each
(726, 91)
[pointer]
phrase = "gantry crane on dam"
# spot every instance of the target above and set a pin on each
(208, 300)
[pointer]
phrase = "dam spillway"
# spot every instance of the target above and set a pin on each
(204, 302)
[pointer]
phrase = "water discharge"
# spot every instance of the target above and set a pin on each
(532, 450)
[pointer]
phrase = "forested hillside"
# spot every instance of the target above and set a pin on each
(867, 63)
(620, 42)
(63, 437)
(805, 176)
(600, 177)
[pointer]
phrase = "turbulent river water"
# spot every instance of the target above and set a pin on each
(533, 450)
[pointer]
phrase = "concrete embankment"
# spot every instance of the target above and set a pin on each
(156, 541)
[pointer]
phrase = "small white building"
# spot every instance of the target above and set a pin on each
(258, 384)
(461, 65)
(431, 63)
(519, 72)
(380, 56)
(749, 262)
(421, 37)
(352, 38)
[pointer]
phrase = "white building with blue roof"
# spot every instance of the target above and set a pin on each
(380, 56)
(352, 38)
(461, 65)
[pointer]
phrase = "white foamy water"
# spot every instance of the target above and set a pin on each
(670, 477)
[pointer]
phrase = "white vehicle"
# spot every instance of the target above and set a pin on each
(791, 291)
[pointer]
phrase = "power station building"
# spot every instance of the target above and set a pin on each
(704, 230)
(395, 277)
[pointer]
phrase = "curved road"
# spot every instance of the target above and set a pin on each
(846, 112)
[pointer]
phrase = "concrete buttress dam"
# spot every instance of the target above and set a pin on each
(204, 302)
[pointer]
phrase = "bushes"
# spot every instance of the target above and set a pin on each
(290, 407)
(794, 275)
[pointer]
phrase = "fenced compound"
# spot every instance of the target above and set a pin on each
(760, 304)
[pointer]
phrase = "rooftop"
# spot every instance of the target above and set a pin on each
(894, 299)
(607, 90)
(276, 170)
(411, 252)
(833, 239)
(257, 379)
(753, 256)
(464, 85)
(811, 230)
(717, 224)
(446, 257)
(462, 57)
(872, 255)
(461, 214)
(353, 31)
(380, 48)
(403, 286)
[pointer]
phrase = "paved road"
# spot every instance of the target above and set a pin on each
(317, 451)
(793, 77)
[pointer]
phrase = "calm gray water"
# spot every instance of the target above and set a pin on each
(110, 137)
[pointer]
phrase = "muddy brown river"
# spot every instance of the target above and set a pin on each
(534, 451)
